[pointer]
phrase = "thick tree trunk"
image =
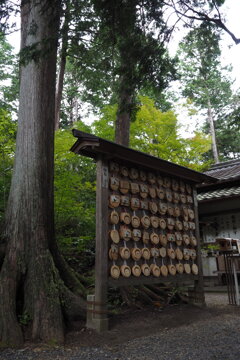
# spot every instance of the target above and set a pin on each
(62, 66)
(31, 289)
(213, 133)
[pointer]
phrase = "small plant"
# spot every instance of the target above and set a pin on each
(213, 247)
(24, 318)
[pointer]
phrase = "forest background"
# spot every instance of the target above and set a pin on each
(115, 59)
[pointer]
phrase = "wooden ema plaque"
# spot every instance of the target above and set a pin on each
(146, 222)
(151, 225)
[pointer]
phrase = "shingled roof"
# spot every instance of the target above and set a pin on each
(228, 184)
(219, 193)
(226, 170)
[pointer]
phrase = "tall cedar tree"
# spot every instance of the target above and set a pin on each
(139, 58)
(202, 75)
(30, 284)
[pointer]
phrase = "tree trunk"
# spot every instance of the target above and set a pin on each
(31, 290)
(62, 66)
(127, 68)
(122, 128)
(213, 134)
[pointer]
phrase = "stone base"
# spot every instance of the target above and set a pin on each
(95, 321)
(100, 325)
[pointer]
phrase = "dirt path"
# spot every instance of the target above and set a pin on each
(179, 332)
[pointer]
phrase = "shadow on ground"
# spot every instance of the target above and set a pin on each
(134, 324)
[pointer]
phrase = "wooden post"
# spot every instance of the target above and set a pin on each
(99, 320)
(235, 279)
(198, 287)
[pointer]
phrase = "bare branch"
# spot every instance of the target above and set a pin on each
(201, 16)
(217, 9)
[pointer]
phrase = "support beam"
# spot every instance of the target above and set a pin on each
(99, 319)
(198, 286)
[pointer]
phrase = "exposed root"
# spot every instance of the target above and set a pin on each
(67, 274)
(74, 306)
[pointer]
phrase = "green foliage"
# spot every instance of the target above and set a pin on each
(70, 94)
(24, 319)
(212, 247)
(227, 127)
(194, 150)
(7, 148)
(74, 201)
(140, 59)
(114, 48)
(228, 131)
(38, 50)
(105, 126)
(8, 12)
(202, 76)
(8, 76)
(157, 133)
(74, 190)
(207, 86)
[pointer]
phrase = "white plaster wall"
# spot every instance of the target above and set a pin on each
(209, 266)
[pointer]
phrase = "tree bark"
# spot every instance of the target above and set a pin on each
(122, 129)
(31, 289)
(62, 66)
(213, 133)
(127, 68)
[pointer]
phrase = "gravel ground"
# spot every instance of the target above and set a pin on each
(210, 338)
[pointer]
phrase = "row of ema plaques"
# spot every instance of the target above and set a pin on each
(151, 224)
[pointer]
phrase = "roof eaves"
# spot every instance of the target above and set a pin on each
(91, 146)
(219, 193)
(225, 164)
(205, 200)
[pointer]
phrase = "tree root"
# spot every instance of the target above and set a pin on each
(161, 291)
(152, 294)
(67, 274)
(146, 294)
(74, 306)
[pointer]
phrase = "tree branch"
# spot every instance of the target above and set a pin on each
(201, 16)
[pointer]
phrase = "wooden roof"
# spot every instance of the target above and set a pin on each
(228, 170)
(228, 184)
(93, 146)
(220, 193)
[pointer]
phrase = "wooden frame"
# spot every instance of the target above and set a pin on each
(105, 152)
(100, 319)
